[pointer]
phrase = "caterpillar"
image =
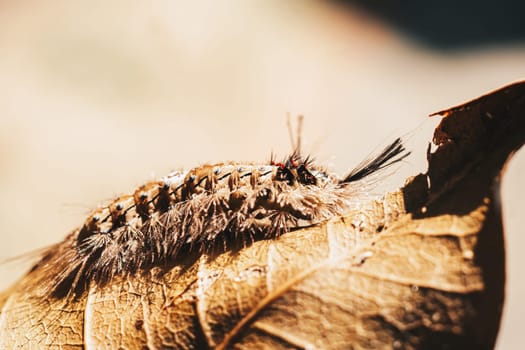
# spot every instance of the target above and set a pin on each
(201, 210)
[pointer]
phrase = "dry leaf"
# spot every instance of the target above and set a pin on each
(423, 268)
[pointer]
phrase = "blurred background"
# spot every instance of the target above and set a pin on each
(97, 97)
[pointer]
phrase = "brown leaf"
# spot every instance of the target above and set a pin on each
(422, 268)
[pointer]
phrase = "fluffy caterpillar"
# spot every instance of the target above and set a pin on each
(200, 210)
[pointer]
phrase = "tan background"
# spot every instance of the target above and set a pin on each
(97, 97)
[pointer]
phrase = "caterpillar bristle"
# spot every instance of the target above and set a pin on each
(197, 211)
